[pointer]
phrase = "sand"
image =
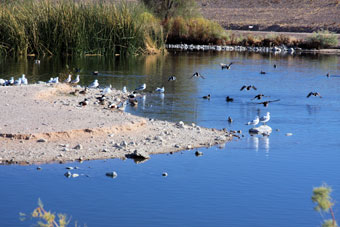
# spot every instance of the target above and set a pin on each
(44, 123)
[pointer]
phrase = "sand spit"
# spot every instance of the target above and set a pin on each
(44, 123)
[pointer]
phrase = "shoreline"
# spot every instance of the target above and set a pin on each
(44, 124)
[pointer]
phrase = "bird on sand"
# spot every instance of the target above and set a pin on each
(248, 87)
(264, 119)
(265, 103)
(254, 122)
(314, 94)
(226, 66)
(196, 74)
(84, 103)
(94, 84)
(68, 79)
(75, 81)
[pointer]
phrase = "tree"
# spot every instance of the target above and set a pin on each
(166, 9)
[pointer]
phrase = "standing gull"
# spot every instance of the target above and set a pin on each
(160, 90)
(94, 84)
(264, 119)
(75, 81)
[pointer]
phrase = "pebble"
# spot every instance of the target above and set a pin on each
(289, 134)
(112, 174)
(65, 149)
(69, 167)
(41, 140)
(78, 147)
(158, 138)
(105, 150)
(111, 135)
(177, 146)
(164, 174)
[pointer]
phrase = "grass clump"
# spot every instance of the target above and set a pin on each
(321, 39)
(73, 27)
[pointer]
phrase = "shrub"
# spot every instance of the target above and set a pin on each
(321, 39)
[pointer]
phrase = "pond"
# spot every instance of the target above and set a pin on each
(251, 181)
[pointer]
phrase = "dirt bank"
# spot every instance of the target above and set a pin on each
(44, 123)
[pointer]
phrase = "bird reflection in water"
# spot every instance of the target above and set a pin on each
(264, 141)
(312, 109)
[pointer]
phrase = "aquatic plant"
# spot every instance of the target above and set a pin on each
(47, 218)
(321, 196)
(47, 27)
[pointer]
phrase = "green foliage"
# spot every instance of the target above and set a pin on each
(195, 31)
(322, 39)
(321, 196)
(329, 223)
(167, 9)
(73, 27)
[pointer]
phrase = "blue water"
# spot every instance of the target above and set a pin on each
(252, 181)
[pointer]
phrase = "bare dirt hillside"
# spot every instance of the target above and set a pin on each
(274, 15)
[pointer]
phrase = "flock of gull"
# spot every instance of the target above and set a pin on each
(263, 119)
(132, 96)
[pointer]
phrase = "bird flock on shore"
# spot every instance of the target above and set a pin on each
(132, 97)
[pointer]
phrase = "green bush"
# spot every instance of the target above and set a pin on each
(321, 39)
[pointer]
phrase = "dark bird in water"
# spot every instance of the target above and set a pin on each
(328, 75)
(225, 66)
(230, 120)
(228, 99)
(248, 87)
(83, 92)
(95, 73)
(259, 96)
(196, 74)
(75, 92)
(314, 93)
(265, 103)
(263, 72)
(171, 78)
(206, 97)
(275, 66)
(84, 103)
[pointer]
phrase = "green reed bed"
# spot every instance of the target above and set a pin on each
(67, 27)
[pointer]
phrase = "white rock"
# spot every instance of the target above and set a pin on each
(263, 129)
(289, 134)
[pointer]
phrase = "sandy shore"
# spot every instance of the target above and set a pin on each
(44, 123)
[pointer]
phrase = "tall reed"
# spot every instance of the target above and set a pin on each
(52, 27)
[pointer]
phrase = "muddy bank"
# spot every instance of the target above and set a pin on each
(45, 123)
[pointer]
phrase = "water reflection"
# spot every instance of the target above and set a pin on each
(313, 109)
